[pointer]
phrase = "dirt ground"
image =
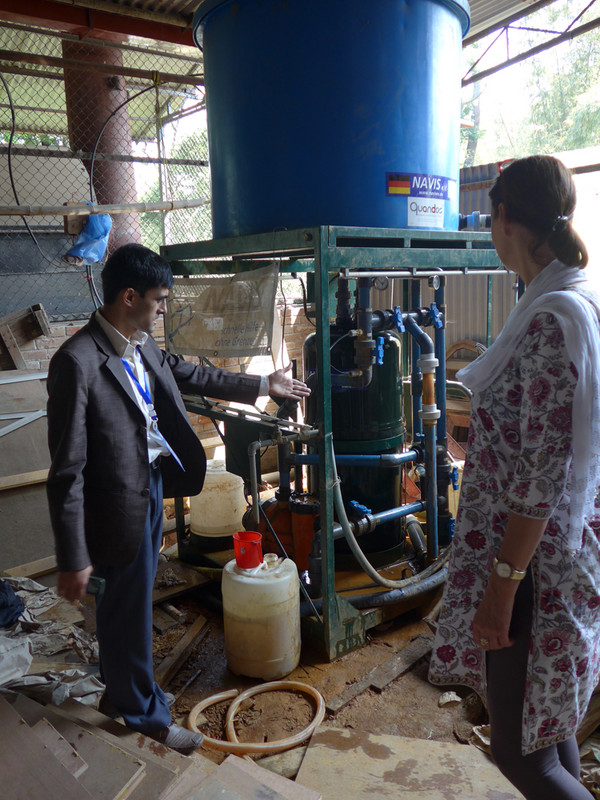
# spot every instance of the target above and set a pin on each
(407, 706)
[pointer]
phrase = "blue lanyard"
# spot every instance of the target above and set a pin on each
(147, 397)
(144, 392)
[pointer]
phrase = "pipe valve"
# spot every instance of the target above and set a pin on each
(399, 320)
(436, 316)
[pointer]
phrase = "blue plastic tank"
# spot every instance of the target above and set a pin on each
(332, 112)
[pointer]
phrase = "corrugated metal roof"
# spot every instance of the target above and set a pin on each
(484, 13)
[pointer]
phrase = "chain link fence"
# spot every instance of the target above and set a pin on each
(92, 122)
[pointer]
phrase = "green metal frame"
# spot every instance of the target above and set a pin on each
(342, 250)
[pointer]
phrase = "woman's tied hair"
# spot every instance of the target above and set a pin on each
(538, 192)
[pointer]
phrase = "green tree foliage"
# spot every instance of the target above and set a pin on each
(180, 182)
(34, 139)
(565, 101)
(561, 85)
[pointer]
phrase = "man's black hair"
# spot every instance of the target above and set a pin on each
(134, 266)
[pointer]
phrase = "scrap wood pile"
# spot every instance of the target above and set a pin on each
(75, 753)
(55, 745)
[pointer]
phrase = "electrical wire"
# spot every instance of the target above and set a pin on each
(13, 126)
(96, 299)
(103, 128)
(283, 323)
(305, 303)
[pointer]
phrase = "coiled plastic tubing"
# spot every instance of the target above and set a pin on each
(241, 748)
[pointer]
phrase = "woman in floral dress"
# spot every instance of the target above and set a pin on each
(520, 621)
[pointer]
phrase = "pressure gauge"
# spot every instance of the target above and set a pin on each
(380, 282)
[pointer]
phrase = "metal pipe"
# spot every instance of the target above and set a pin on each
(103, 68)
(383, 460)
(106, 208)
(253, 449)
(419, 274)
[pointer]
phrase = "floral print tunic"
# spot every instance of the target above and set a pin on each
(519, 458)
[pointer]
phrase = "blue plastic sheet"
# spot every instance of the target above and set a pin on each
(92, 242)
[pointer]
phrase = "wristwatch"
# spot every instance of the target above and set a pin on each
(504, 570)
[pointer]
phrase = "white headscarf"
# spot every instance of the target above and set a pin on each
(579, 318)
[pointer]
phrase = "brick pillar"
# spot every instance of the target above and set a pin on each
(91, 97)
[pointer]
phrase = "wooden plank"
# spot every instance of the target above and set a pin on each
(112, 773)
(41, 665)
(179, 654)
(12, 357)
(385, 673)
(27, 323)
(237, 779)
(161, 621)
(285, 787)
(59, 747)
(341, 762)
(23, 479)
(187, 785)
(26, 530)
(42, 319)
(189, 576)
(33, 569)
(286, 763)
(163, 765)
(29, 769)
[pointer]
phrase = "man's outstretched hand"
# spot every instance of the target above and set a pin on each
(281, 384)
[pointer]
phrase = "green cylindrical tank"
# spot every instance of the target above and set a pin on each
(365, 421)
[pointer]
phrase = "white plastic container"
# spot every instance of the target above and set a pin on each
(261, 614)
(220, 506)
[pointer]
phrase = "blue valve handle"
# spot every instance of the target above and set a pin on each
(356, 506)
(436, 317)
(398, 319)
(454, 476)
(380, 341)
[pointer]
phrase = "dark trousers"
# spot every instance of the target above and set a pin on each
(548, 774)
(124, 627)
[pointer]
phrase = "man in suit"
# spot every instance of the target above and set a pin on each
(120, 439)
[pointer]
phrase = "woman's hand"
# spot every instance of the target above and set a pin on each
(491, 622)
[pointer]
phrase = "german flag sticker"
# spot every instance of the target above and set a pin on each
(397, 183)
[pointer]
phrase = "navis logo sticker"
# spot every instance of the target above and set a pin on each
(418, 185)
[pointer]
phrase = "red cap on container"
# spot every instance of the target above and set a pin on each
(248, 549)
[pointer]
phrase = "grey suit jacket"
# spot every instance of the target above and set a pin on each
(98, 485)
